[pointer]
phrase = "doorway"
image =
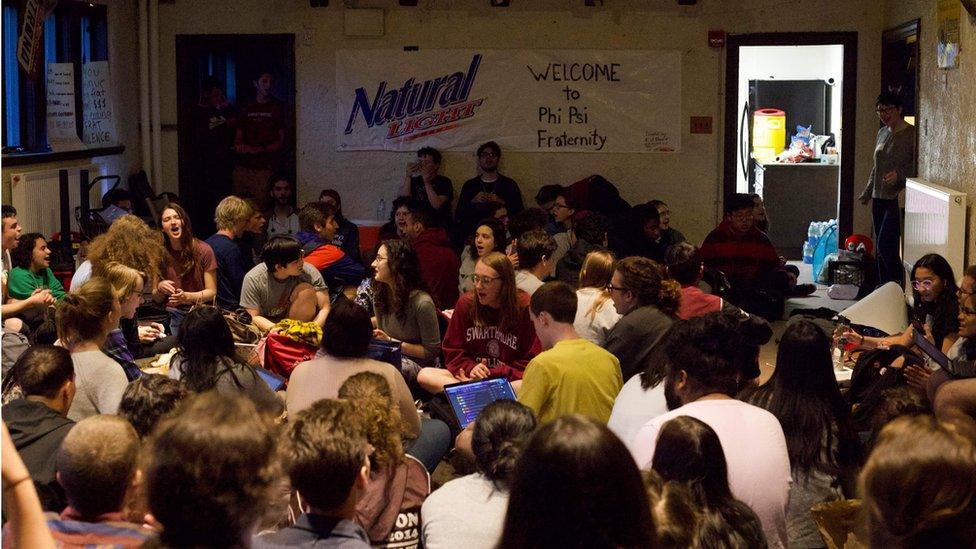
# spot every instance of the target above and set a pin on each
(774, 83)
(216, 81)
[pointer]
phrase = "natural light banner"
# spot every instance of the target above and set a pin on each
(625, 101)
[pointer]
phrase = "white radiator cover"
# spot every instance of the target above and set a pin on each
(935, 222)
(37, 197)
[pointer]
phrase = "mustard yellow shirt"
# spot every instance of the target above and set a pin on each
(574, 377)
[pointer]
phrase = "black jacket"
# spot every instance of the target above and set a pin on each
(37, 432)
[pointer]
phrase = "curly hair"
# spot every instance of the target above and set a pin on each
(373, 399)
(23, 255)
(131, 242)
(148, 399)
(646, 279)
(405, 269)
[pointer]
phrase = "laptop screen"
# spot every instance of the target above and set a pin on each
(273, 380)
(469, 398)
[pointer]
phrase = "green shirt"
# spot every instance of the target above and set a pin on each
(21, 283)
(574, 377)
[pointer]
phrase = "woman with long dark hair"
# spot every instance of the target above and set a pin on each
(822, 443)
(489, 236)
(490, 333)
(690, 454)
(497, 438)
(190, 272)
(403, 308)
(935, 310)
(576, 485)
(206, 361)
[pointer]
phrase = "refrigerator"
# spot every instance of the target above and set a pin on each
(805, 102)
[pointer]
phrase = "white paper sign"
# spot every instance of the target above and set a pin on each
(97, 110)
(62, 132)
(532, 101)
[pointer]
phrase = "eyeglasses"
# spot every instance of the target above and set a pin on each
(611, 287)
(488, 154)
(483, 280)
(923, 284)
(743, 216)
(560, 206)
(380, 258)
(883, 109)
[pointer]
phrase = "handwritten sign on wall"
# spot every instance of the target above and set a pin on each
(62, 132)
(98, 113)
(526, 100)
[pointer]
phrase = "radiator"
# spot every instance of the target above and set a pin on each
(37, 197)
(935, 222)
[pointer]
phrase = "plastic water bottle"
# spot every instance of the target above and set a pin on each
(381, 210)
(808, 253)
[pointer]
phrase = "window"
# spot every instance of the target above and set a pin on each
(76, 32)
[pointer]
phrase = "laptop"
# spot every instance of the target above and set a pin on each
(273, 380)
(468, 398)
(930, 349)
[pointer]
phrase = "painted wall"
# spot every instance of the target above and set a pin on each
(947, 106)
(690, 181)
(123, 47)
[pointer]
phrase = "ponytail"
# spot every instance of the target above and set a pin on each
(82, 314)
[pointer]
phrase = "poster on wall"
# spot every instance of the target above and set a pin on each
(98, 126)
(949, 15)
(62, 132)
(626, 101)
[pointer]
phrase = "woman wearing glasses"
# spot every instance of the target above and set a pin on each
(955, 401)
(490, 333)
(894, 161)
(935, 310)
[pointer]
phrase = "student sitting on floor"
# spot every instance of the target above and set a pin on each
(469, 511)
(284, 286)
(398, 485)
(572, 376)
(490, 333)
(97, 466)
(535, 249)
(326, 456)
(38, 421)
(319, 226)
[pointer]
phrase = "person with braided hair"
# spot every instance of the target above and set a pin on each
(648, 301)
(469, 511)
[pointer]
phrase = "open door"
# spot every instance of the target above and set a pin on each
(825, 100)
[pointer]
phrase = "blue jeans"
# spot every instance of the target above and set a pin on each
(432, 444)
(176, 317)
(887, 236)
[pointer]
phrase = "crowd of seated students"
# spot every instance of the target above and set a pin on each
(639, 407)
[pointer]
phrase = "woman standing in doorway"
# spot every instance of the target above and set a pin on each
(894, 161)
